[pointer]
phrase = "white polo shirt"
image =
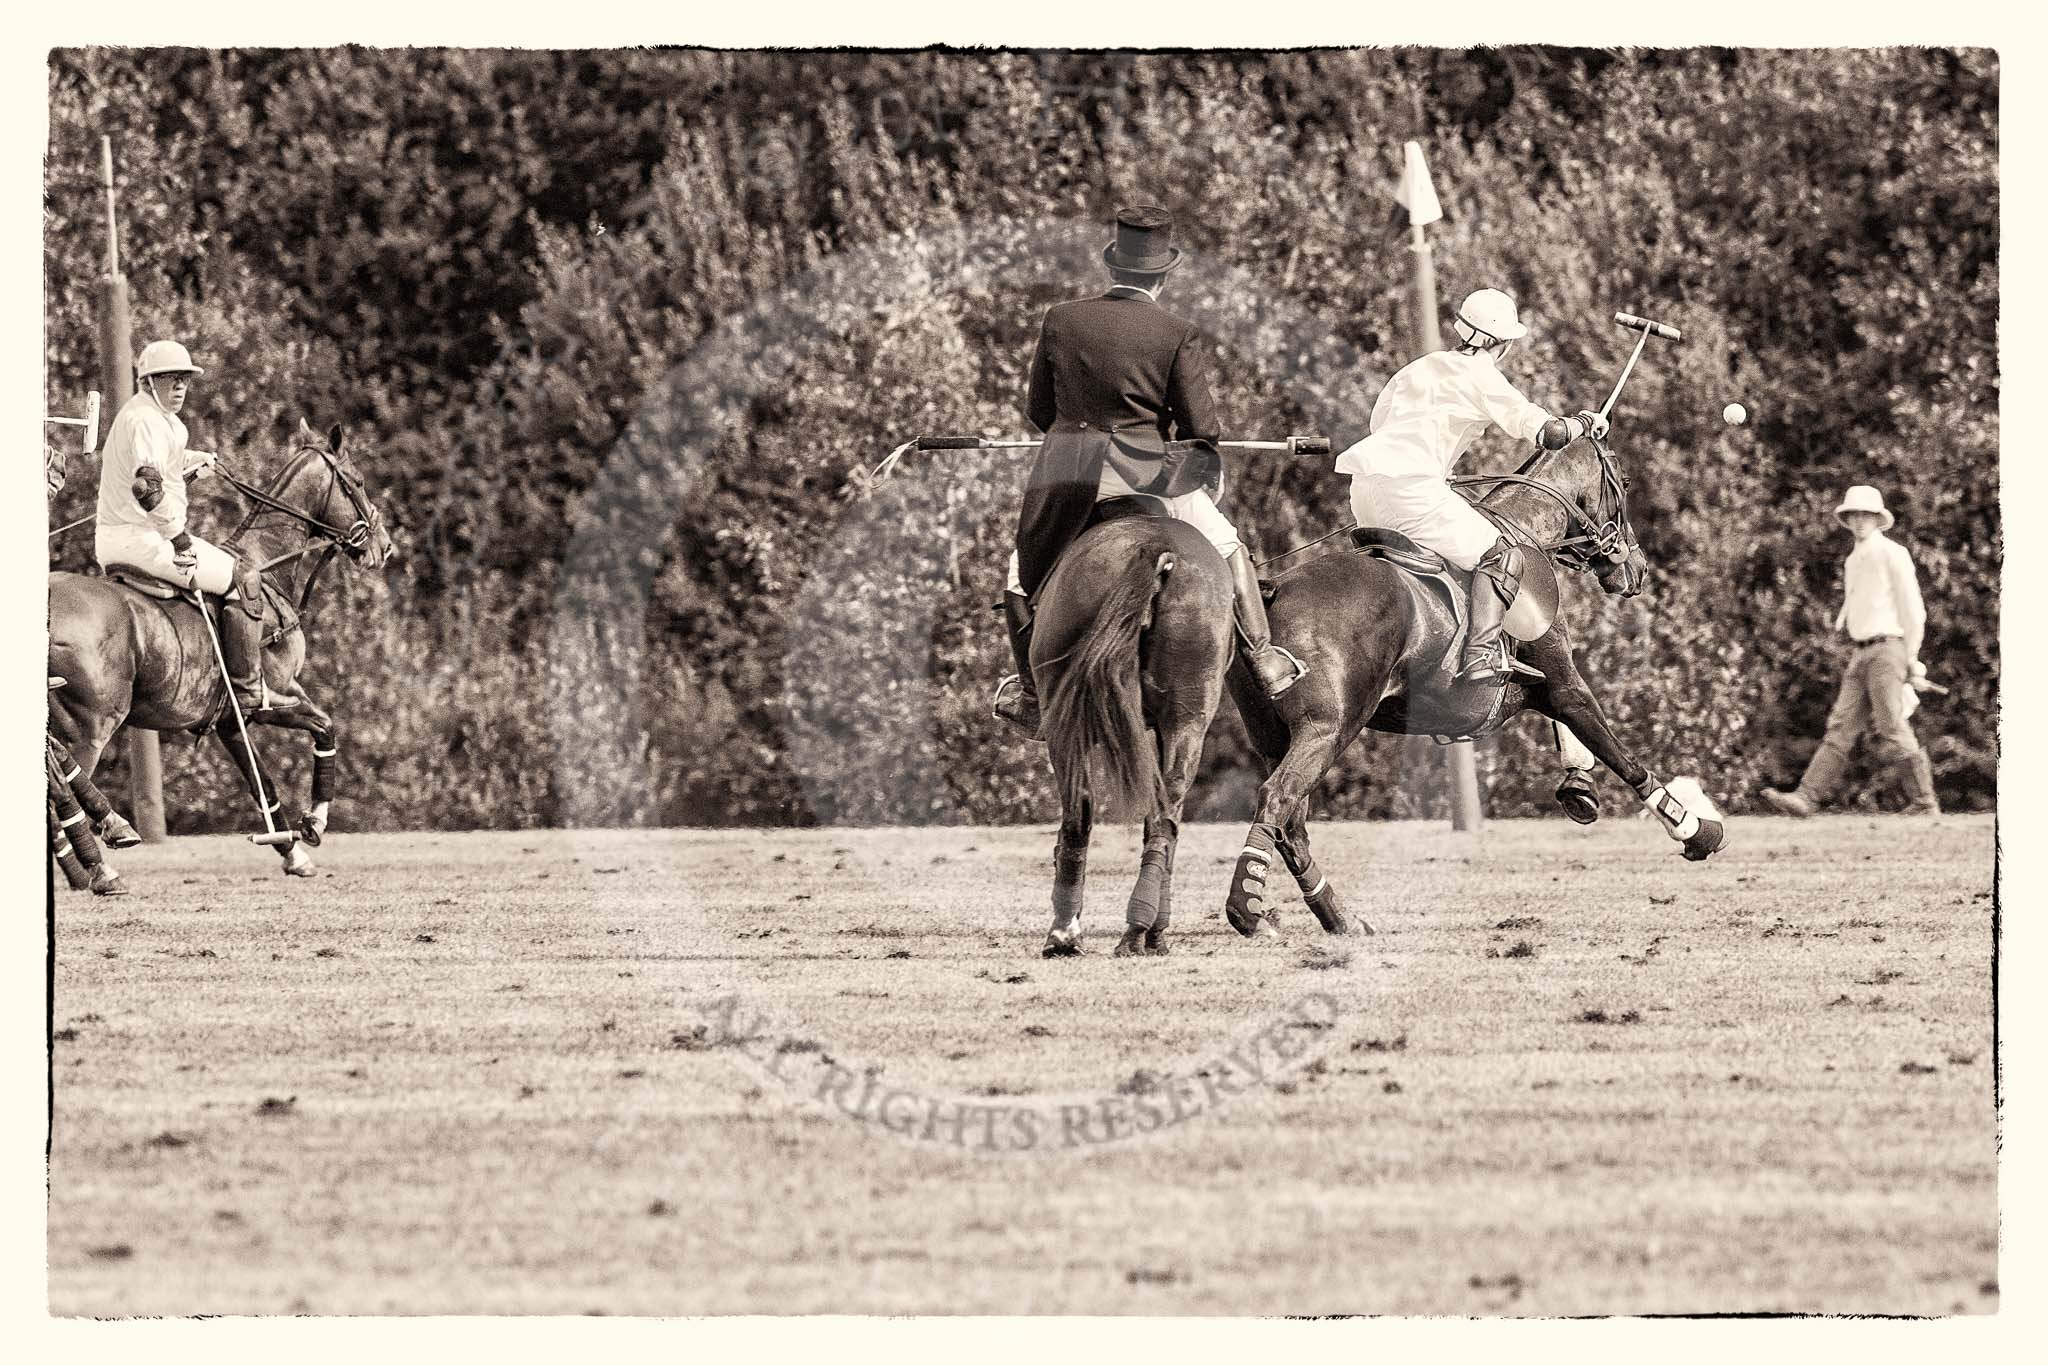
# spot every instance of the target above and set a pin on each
(1881, 594)
(142, 434)
(1432, 410)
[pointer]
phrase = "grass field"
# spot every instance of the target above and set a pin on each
(661, 1073)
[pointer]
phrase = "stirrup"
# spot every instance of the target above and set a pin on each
(1300, 671)
(1499, 671)
(266, 700)
(1015, 705)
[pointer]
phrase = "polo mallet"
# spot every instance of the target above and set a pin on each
(271, 835)
(1648, 329)
(91, 421)
(1292, 445)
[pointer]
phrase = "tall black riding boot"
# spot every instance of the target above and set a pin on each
(1496, 580)
(1017, 695)
(241, 644)
(1274, 667)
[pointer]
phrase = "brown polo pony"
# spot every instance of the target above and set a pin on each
(1380, 645)
(141, 656)
(1129, 648)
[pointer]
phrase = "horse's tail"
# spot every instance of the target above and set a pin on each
(1095, 705)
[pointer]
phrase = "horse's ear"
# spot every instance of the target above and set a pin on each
(306, 430)
(334, 435)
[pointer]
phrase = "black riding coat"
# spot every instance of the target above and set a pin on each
(1115, 378)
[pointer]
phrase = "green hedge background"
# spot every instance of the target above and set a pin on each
(617, 334)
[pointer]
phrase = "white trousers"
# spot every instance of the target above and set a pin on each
(1197, 509)
(146, 550)
(1426, 510)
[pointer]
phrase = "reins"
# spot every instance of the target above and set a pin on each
(1605, 541)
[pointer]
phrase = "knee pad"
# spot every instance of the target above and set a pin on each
(1504, 565)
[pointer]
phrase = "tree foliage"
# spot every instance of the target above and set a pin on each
(621, 333)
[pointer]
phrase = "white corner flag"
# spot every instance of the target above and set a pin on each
(1415, 193)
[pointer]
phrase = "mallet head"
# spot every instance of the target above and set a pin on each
(1655, 329)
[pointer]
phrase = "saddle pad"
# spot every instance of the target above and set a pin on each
(1397, 549)
(148, 584)
(279, 614)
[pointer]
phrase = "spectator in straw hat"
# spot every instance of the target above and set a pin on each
(1884, 619)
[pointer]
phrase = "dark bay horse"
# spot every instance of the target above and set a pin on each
(1380, 645)
(1129, 649)
(146, 660)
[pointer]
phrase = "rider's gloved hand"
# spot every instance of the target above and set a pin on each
(183, 556)
(202, 462)
(1596, 425)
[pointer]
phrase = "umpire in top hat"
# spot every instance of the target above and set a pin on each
(1120, 388)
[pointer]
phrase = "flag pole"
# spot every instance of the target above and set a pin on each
(1418, 196)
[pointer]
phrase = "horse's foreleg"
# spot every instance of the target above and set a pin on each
(1566, 698)
(242, 753)
(320, 727)
(72, 840)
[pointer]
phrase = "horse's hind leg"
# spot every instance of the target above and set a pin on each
(1309, 876)
(1069, 866)
(1151, 906)
(1283, 800)
(297, 862)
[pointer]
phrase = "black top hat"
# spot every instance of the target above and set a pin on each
(1143, 237)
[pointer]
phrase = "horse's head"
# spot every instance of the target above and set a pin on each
(320, 484)
(1600, 538)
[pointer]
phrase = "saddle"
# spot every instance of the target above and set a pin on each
(280, 617)
(1432, 569)
(1534, 610)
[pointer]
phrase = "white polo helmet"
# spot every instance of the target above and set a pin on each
(165, 357)
(1864, 498)
(1491, 314)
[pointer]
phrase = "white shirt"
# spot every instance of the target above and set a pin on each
(1432, 410)
(143, 434)
(1881, 594)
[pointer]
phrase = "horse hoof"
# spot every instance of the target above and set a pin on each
(309, 832)
(1059, 945)
(1132, 944)
(1156, 947)
(116, 832)
(107, 882)
(1576, 795)
(298, 862)
(1705, 842)
(1328, 912)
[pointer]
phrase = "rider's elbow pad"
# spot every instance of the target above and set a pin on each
(148, 487)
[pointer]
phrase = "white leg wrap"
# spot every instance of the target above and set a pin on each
(1680, 823)
(1570, 751)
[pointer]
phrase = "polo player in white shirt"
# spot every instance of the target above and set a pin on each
(1426, 417)
(1885, 621)
(140, 522)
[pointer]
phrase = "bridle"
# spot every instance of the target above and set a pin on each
(355, 537)
(1600, 543)
(328, 537)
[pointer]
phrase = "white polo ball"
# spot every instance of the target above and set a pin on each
(1734, 414)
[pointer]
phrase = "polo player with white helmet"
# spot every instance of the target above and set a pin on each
(140, 523)
(1426, 417)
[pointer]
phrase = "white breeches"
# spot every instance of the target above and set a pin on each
(1426, 510)
(1197, 509)
(151, 553)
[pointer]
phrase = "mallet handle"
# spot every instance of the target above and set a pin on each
(1293, 445)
